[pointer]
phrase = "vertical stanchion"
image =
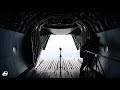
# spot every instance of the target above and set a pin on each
(60, 60)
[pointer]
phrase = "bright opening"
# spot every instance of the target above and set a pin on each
(52, 51)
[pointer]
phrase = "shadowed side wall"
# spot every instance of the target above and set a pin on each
(15, 53)
(110, 39)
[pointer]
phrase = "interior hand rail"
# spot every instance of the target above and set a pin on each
(112, 59)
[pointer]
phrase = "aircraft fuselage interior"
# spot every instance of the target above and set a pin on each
(25, 33)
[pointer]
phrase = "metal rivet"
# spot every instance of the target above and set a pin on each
(95, 55)
(36, 27)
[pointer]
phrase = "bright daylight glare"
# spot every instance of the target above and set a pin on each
(52, 52)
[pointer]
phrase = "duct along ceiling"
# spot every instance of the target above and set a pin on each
(24, 20)
(62, 21)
